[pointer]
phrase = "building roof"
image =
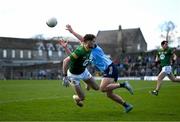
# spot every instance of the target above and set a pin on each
(115, 42)
(19, 43)
(107, 36)
(110, 36)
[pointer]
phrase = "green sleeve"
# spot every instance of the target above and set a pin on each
(75, 53)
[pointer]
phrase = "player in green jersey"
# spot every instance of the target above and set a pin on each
(110, 73)
(165, 57)
(74, 69)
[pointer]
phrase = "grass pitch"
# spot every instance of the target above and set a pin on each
(45, 100)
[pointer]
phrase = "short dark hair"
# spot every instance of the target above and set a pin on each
(163, 42)
(89, 37)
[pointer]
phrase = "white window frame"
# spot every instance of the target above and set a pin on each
(29, 54)
(40, 52)
(13, 54)
(59, 53)
(21, 54)
(4, 53)
(50, 53)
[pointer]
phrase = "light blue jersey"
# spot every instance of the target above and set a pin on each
(99, 59)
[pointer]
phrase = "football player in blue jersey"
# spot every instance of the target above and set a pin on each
(110, 73)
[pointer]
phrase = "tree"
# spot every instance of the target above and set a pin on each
(167, 27)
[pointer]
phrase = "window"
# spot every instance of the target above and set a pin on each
(49, 53)
(138, 46)
(4, 53)
(29, 54)
(13, 54)
(50, 49)
(40, 52)
(21, 54)
(59, 53)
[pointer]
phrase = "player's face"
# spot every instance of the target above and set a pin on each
(165, 46)
(91, 44)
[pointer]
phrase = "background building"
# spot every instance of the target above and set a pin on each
(42, 59)
(116, 42)
(30, 58)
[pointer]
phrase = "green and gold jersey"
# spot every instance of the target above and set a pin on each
(79, 60)
(164, 56)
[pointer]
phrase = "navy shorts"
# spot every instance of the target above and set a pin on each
(111, 72)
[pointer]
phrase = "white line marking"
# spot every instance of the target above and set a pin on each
(57, 97)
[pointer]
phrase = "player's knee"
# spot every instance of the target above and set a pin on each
(109, 94)
(159, 79)
(102, 89)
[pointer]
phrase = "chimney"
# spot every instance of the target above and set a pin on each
(119, 40)
(120, 28)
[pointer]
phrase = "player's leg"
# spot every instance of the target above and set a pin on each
(91, 84)
(173, 78)
(80, 95)
(89, 80)
(127, 86)
(75, 83)
(159, 82)
(109, 79)
(107, 85)
(87, 87)
(111, 75)
(127, 107)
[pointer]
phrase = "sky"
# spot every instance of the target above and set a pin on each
(27, 18)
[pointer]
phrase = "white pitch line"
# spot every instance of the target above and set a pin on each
(31, 99)
(45, 98)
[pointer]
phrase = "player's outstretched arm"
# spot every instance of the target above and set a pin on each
(65, 65)
(69, 28)
(64, 45)
(65, 68)
(174, 58)
(174, 55)
(157, 61)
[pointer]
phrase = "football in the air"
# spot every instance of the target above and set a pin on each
(52, 22)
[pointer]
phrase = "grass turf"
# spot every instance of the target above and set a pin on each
(45, 100)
